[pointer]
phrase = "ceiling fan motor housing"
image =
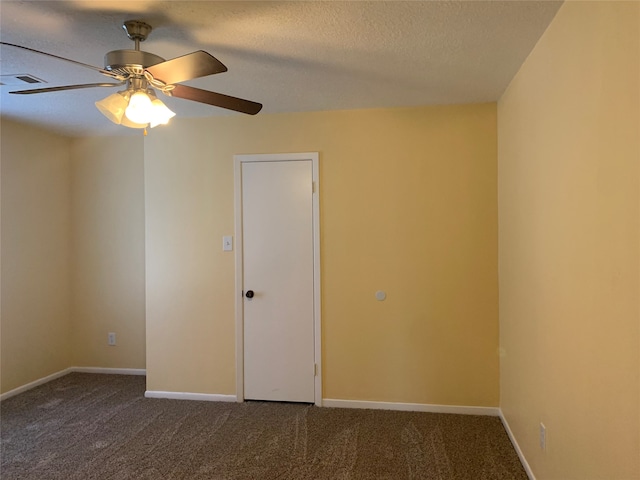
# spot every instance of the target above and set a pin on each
(130, 62)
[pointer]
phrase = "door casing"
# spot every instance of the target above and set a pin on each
(239, 266)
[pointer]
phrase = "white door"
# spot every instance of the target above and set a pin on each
(278, 280)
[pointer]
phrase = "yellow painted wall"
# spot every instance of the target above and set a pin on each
(408, 205)
(569, 154)
(107, 239)
(35, 316)
(72, 252)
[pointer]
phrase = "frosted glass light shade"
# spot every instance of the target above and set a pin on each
(113, 106)
(128, 123)
(140, 109)
(161, 114)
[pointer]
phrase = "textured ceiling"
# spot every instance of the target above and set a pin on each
(290, 56)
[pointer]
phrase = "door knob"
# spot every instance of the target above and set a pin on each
(249, 294)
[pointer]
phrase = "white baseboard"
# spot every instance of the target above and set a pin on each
(202, 397)
(514, 442)
(66, 371)
(34, 384)
(412, 407)
(110, 371)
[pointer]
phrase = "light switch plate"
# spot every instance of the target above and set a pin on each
(227, 243)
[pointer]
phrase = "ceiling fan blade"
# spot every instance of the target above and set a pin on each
(97, 69)
(216, 99)
(180, 69)
(66, 87)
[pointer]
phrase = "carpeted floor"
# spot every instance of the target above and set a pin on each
(88, 427)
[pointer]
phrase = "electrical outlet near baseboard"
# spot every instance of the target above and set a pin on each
(112, 339)
(543, 437)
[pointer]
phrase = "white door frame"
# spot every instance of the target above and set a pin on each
(317, 331)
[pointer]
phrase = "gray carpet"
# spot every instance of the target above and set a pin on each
(86, 427)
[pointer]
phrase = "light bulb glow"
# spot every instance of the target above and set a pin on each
(135, 109)
(129, 124)
(161, 114)
(140, 109)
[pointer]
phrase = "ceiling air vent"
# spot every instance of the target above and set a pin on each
(19, 79)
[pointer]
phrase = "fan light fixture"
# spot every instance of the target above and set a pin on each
(135, 110)
(143, 73)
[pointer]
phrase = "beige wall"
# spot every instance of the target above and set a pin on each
(107, 239)
(35, 316)
(72, 251)
(408, 205)
(568, 130)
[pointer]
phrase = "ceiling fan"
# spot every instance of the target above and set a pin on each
(142, 72)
